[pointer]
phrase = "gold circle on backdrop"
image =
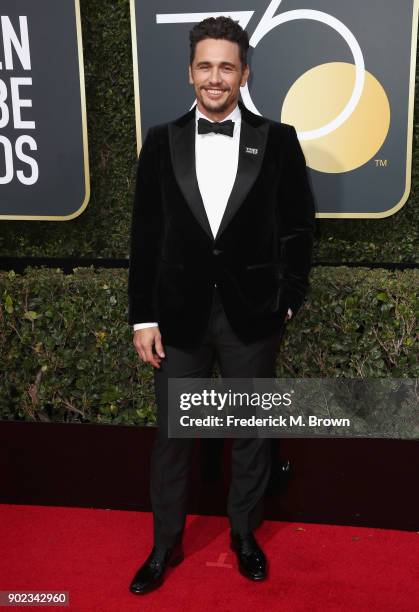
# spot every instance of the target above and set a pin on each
(317, 97)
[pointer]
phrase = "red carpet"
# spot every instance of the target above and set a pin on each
(93, 554)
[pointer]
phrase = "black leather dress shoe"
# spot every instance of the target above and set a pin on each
(251, 558)
(151, 574)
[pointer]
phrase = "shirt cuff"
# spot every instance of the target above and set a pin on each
(144, 325)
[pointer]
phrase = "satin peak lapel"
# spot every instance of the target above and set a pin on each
(251, 152)
(182, 151)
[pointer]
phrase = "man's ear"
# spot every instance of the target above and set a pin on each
(190, 75)
(245, 75)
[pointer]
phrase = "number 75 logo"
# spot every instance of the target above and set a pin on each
(343, 111)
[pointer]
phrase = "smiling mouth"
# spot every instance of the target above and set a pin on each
(214, 92)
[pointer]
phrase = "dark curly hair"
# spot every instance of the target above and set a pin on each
(219, 27)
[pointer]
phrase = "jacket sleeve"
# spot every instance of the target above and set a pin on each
(146, 232)
(296, 223)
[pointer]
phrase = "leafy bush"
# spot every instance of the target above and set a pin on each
(66, 348)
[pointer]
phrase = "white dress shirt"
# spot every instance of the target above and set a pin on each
(215, 155)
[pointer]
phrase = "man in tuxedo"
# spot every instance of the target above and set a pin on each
(221, 247)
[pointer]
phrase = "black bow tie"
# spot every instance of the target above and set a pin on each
(223, 127)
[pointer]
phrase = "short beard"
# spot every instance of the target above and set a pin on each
(220, 109)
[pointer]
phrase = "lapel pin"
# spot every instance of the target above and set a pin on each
(252, 151)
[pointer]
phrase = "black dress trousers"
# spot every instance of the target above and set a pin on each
(171, 457)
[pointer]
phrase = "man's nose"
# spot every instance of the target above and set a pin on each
(215, 76)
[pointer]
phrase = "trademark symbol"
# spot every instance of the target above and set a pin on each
(380, 163)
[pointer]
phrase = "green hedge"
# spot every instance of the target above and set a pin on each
(103, 228)
(66, 348)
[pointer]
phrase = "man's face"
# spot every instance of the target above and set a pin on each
(217, 75)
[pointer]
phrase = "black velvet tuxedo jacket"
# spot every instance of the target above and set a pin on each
(260, 258)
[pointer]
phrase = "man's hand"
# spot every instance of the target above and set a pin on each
(144, 340)
(288, 315)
